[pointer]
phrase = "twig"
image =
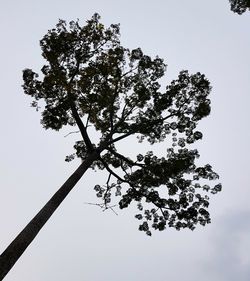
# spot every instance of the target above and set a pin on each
(71, 133)
(103, 206)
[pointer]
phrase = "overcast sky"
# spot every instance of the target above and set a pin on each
(80, 242)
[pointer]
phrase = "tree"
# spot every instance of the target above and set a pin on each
(240, 6)
(90, 80)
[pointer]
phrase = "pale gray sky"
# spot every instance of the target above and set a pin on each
(80, 242)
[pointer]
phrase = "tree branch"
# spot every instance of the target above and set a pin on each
(120, 138)
(121, 157)
(130, 184)
(75, 114)
(104, 207)
(81, 127)
(111, 171)
(71, 133)
(129, 71)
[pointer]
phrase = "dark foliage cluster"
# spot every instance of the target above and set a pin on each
(170, 185)
(90, 80)
(240, 6)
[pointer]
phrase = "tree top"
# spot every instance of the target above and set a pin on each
(90, 79)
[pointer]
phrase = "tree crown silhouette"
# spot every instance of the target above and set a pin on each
(91, 80)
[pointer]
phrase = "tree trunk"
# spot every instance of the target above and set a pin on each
(14, 251)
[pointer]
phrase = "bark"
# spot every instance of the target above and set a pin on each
(14, 251)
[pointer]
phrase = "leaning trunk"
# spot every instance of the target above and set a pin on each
(13, 252)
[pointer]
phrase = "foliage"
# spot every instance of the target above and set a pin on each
(240, 6)
(91, 80)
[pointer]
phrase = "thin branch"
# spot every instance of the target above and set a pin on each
(108, 179)
(120, 138)
(123, 111)
(76, 115)
(108, 139)
(123, 116)
(131, 184)
(162, 212)
(107, 191)
(165, 118)
(87, 122)
(111, 171)
(131, 70)
(71, 133)
(124, 170)
(103, 206)
(121, 157)
(133, 132)
(111, 208)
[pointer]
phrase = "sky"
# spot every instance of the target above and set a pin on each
(80, 242)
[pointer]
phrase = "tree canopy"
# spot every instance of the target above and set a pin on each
(240, 6)
(91, 80)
